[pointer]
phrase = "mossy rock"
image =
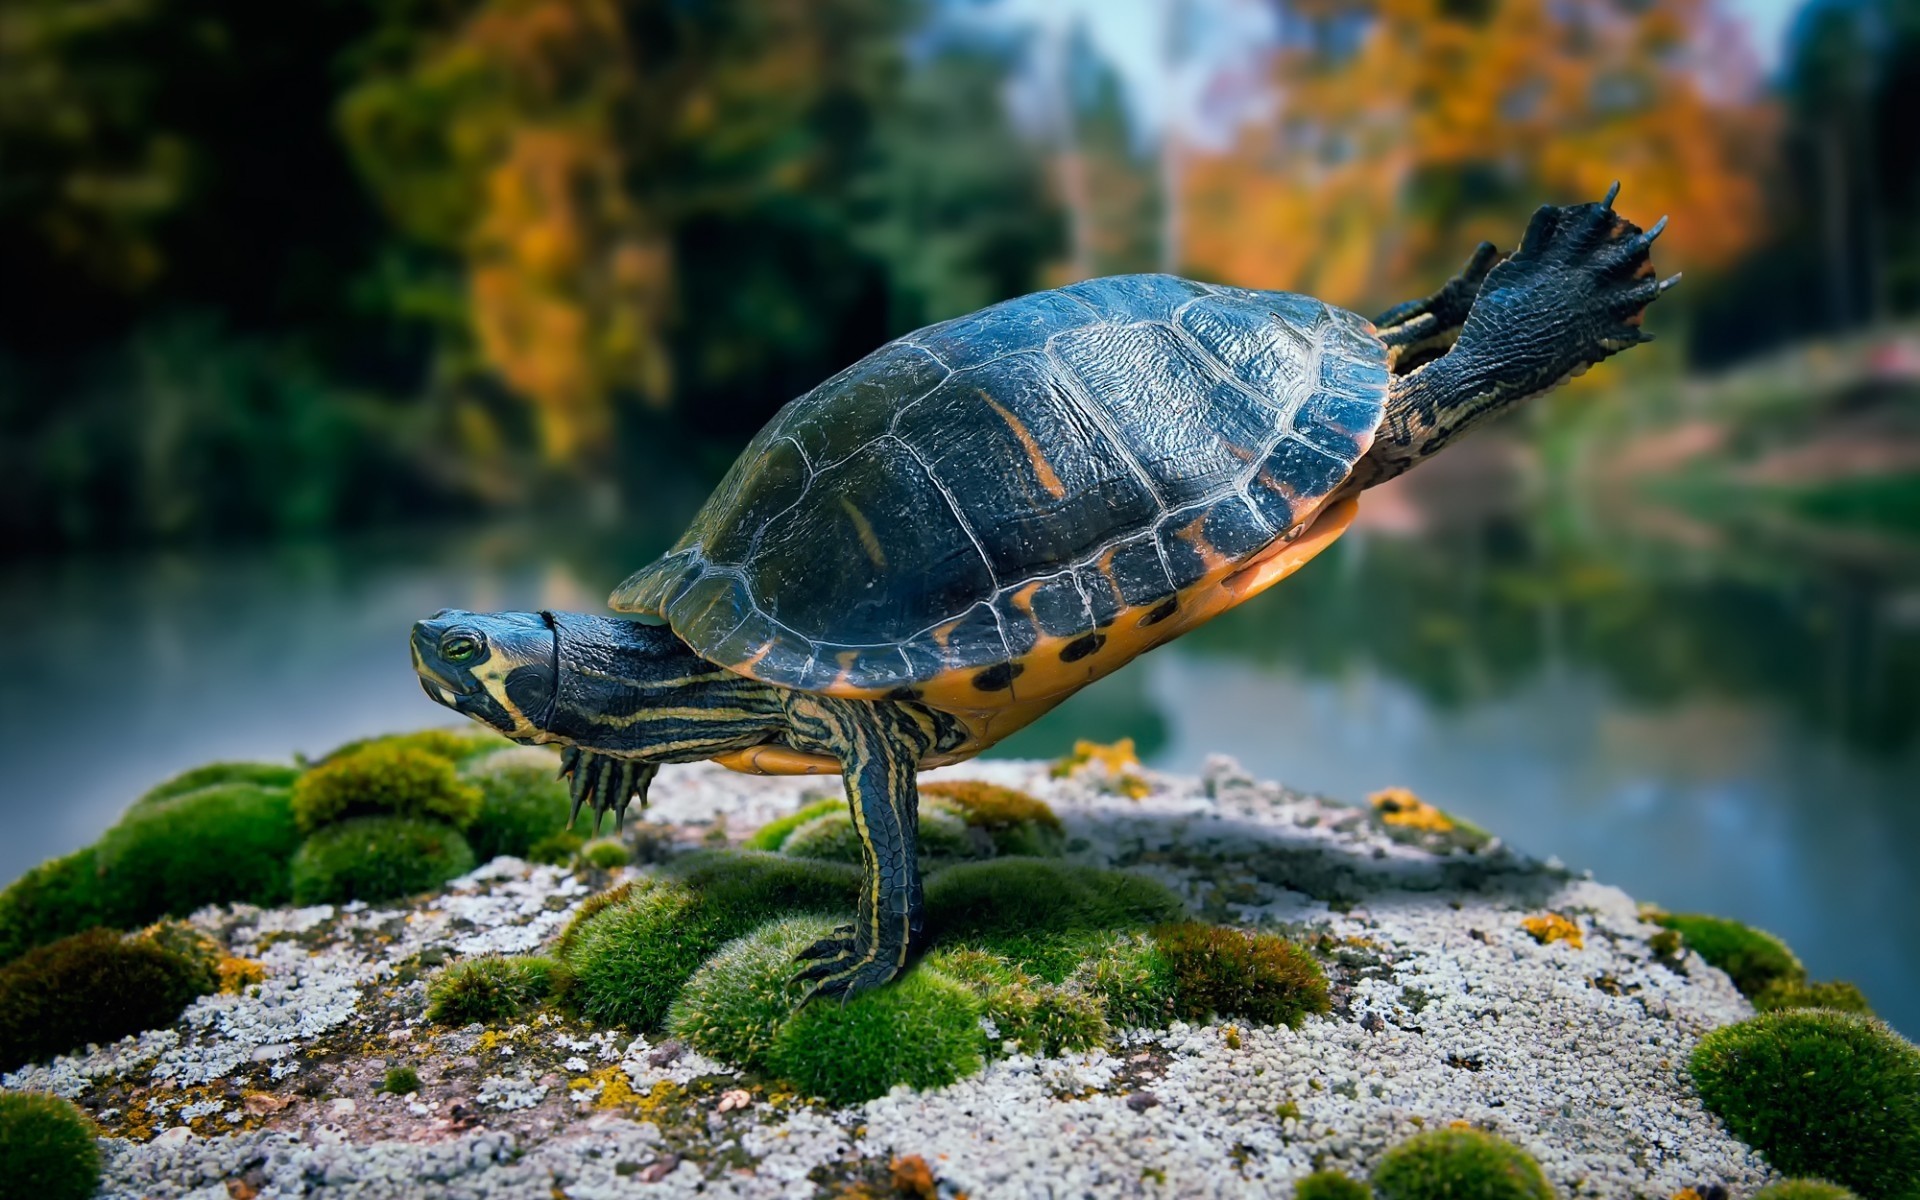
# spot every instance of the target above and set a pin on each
(219, 844)
(522, 801)
(1752, 959)
(922, 1030)
(1015, 822)
(96, 986)
(736, 1002)
(774, 834)
(1820, 1093)
(1010, 903)
(1804, 1189)
(1220, 971)
(1833, 993)
(629, 957)
(266, 775)
(1037, 1016)
(1133, 981)
(1450, 1164)
(457, 744)
(387, 781)
(1330, 1185)
(604, 854)
(556, 849)
(491, 987)
(53, 900)
(378, 858)
(833, 838)
(47, 1148)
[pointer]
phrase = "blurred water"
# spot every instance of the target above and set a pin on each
(1712, 732)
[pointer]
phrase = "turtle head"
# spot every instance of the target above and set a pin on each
(501, 669)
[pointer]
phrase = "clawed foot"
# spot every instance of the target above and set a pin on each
(1573, 294)
(605, 783)
(841, 967)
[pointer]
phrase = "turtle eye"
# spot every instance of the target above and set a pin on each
(459, 647)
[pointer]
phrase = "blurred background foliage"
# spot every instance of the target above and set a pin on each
(297, 268)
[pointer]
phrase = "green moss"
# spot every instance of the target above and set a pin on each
(1834, 993)
(1132, 979)
(1820, 1093)
(605, 854)
(377, 858)
(395, 780)
(1803, 1189)
(773, 835)
(923, 1031)
(1040, 1017)
(1009, 900)
(456, 745)
(47, 1148)
(1232, 973)
(522, 802)
(96, 986)
(401, 1081)
(57, 898)
(266, 775)
(489, 988)
(1752, 959)
(1330, 1185)
(1451, 1163)
(736, 1002)
(833, 838)
(556, 849)
(633, 955)
(218, 844)
(1016, 823)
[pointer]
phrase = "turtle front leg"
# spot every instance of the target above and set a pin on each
(879, 745)
(1418, 330)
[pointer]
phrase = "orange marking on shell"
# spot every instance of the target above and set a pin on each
(1042, 469)
(1194, 534)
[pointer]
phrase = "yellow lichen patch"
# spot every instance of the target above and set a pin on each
(238, 974)
(989, 805)
(913, 1177)
(1118, 761)
(1686, 1193)
(1548, 928)
(1399, 806)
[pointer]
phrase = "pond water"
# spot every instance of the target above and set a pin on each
(1723, 730)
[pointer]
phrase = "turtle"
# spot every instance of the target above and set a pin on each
(948, 538)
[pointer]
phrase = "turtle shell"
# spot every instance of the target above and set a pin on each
(990, 512)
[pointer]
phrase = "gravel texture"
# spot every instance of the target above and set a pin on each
(1446, 1009)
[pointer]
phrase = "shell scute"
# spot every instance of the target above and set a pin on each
(1137, 297)
(1010, 326)
(865, 399)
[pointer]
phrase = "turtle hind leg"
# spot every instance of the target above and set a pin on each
(1419, 331)
(879, 745)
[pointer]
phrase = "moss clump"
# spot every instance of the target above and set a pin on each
(47, 1148)
(1452, 1163)
(57, 898)
(95, 986)
(266, 775)
(1833, 993)
(630, 958)
(922, 1030)
(833, 838)
(734, 1005)
(556, 849)
(1233, 973)
(522, 802)
(1015, 822)
(1804, 1189)
(1132, 979)
(397, 781)
(1330, 1185)
(605, 854)
(489, 988)
(456, 745)
(377, 858)
(1011, 900)
(774, 834)
(218, 844)
(401, 1081)
(1039, 1017)
(1820, 1093)
(1752, 959)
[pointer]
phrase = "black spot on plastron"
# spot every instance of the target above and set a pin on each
(904, 693)
(997, 679)
(1166, 608)
(1080, 647)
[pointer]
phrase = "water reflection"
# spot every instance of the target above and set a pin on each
(1709, 730)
